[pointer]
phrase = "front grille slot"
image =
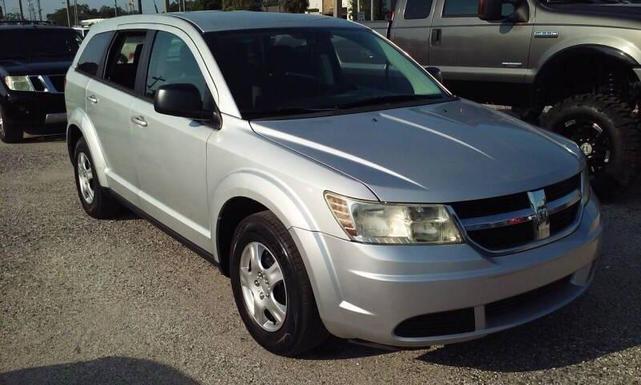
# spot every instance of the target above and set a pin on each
(510, 305)
(437, 324)
(58, 82)
(37, 83)
(508, 222)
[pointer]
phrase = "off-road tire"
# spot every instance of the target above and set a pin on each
(9, 132)
(302, 328)
(617, 121)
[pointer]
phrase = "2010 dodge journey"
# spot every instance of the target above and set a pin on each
(340, 187)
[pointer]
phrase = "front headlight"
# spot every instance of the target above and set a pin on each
(375, 222)
(19, 83)
(586, 189)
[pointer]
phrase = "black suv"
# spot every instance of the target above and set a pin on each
(33, 61)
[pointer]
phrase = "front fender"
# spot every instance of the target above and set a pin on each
(78, 118)
(265, 189)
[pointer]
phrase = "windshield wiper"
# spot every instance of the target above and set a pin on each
(291, 111)
(388, 99)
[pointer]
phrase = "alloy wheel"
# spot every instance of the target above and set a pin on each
(263, 286)
(85, 178)
(593, 141)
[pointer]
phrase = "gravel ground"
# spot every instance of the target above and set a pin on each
(119, 302)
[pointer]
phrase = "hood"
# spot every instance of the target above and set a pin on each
(45, 66)
(442, 152)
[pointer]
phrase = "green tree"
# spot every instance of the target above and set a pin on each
(250, 5)
(294, 6)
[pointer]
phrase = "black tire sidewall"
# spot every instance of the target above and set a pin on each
(619, 167)
(10, 132)
(285, 338)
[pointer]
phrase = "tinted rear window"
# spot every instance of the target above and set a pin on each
(38, 43)
(93, 53)
(417, 9)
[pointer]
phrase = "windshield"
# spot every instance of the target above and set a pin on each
(274, 73)
(35, 43)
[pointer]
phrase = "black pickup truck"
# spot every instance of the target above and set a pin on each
(33, 61)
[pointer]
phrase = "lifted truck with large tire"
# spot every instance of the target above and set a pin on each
(570, 66)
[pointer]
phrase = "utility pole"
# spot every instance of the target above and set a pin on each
(337, 8)
(76, 19)
(21, 13)
(4, 9)
(139, 6)
(166, 6)
(116, 8)
(68, 15)
(39, 11)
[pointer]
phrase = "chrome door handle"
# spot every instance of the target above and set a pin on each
(92, 99)
(139, 120)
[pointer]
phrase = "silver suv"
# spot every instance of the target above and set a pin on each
(340, 186)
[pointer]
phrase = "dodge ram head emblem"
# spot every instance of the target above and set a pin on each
(541, 215)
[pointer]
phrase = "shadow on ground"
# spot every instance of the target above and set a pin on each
(103, 371)
(43, 138)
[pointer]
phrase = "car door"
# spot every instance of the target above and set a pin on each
(170, 151)
(411, 28)
(467, 48)
(108, 103)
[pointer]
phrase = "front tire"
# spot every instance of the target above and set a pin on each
(271, 287)
(9, 132)
(606, 131)
(95, 199)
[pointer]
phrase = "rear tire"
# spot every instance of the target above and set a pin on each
(95, 199)
(606, 131)
(295, 327)
(9, 132)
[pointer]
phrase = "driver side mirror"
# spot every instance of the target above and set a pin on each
(184, 100)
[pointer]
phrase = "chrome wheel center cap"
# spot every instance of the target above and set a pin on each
(586, 148)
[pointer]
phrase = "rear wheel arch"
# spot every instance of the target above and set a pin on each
(583, 69)
(73, 136)
(80, 126)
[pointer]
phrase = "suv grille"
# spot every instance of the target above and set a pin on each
(48, 83)
(58, 82)
(512, 221)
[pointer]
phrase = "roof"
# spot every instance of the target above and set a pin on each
(211, 21)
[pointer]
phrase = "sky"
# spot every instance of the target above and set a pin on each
(48, 6)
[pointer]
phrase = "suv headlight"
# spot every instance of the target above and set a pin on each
(375, 222)
(19, 83)
(586, 189)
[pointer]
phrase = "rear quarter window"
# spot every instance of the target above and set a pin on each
(92, 56)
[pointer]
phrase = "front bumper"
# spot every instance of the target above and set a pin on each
(36, 112)
(374, 292)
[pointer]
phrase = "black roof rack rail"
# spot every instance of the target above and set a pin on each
(25, 22)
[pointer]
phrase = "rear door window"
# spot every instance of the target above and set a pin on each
(91, 57)
(417, 9)
(460, 8)
(124, 59)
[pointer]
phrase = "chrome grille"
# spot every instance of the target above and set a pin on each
(48, 83)
(520, 221)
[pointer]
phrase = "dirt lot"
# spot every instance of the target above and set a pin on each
(118, 302)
